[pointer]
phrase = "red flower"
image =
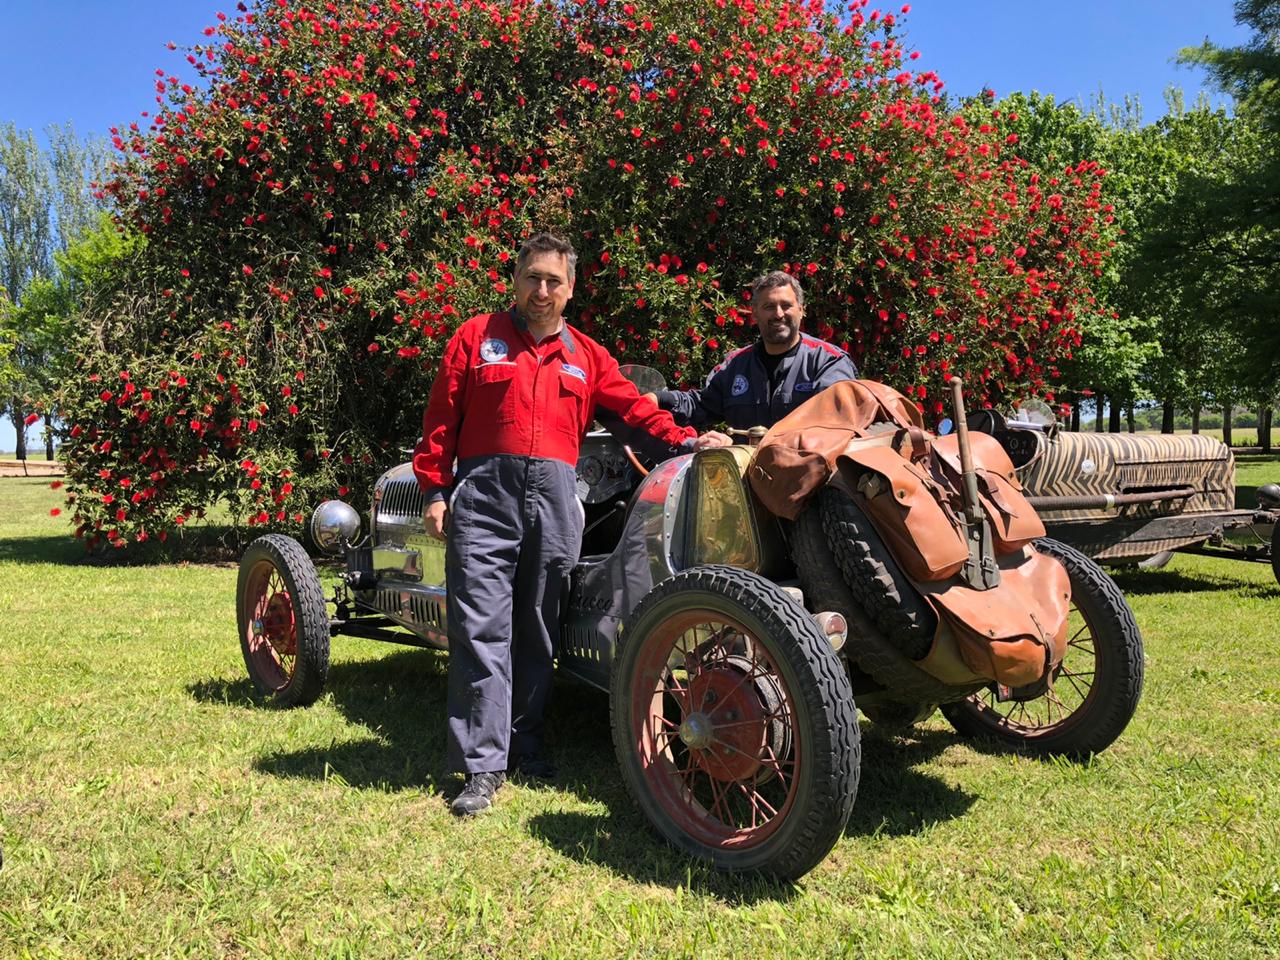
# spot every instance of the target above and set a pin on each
(31, 418)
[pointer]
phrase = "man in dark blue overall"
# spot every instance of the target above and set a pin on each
(760, 384)
(513, 398)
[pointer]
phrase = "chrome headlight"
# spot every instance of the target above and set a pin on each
(334, 524)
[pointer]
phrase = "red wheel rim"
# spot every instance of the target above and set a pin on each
(715, 729)
(271, 628)
(1073, 687)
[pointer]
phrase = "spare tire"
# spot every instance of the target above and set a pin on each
(866, 648)
(874, 577)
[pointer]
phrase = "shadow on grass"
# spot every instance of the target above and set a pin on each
(221, 690)
(894, 799)
(211, 544)
(401, 699)
(59, 550)
(1145, 582)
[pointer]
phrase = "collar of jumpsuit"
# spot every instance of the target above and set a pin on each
(528, 398)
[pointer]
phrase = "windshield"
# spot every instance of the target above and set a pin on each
(646, 379)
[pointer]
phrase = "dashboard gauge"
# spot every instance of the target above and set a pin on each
(591, 470)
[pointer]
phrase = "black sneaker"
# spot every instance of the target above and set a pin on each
(477, 794)
(532, 767)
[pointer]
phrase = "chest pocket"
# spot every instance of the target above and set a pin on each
(495, 394)
(571, 407)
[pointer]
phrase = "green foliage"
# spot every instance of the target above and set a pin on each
(45, 210)
(1250, 73)
(25, 226)
(1237, 217)
(350, 182)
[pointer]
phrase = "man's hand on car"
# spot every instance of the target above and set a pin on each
(712, 438)
(437, 519)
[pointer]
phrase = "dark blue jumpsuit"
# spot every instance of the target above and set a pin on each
(741, 392)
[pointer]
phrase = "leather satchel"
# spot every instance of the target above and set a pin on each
(867, 440)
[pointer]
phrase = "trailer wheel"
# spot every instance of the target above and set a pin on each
(284, 626)
(1095, 690)
(734, 724)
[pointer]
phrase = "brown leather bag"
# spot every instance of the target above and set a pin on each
(797, 456)
(867, 439)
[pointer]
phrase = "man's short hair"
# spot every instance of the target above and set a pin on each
(777, 278)
(548, 243)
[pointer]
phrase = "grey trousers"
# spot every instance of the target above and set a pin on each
(515, 529)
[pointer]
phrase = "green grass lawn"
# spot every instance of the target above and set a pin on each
(150, 806)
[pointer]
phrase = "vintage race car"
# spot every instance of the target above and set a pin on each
(731, 642)
(1127, 499)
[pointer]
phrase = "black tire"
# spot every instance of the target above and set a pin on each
(763, 673)
(876, 580)
(866, 648)
(1103, 643)
(1275, 555)
(283, 621)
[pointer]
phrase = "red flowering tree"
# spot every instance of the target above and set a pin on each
(347, 181)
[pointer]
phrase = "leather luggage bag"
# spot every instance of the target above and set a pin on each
(867, 440)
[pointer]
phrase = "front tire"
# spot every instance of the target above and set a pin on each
(284, 626)
(734, 723)
(1095, 690)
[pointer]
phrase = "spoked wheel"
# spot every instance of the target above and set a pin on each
(284, 627)
(1093, 693)
(734, 724)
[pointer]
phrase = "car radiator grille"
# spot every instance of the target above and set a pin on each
(402, 500)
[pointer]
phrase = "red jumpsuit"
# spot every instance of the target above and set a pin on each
(513, 413)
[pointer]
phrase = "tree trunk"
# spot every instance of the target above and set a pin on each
(1114, 425)
(1264, 429)
(19, 430)
(1097, 400)
(1075, 417)
(1166, 418)
(1226, 425)
(1195, 419)
(1128, 417)
(48, 437)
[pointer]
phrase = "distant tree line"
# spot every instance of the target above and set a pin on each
(54, 238)
(1186, 317)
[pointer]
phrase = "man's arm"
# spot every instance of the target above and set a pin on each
(835, 369)
(617, 394)
(434, 453)
(700, 407)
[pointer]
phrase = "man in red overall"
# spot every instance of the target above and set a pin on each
(513, 398)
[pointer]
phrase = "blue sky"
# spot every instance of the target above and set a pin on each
(93, 62)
